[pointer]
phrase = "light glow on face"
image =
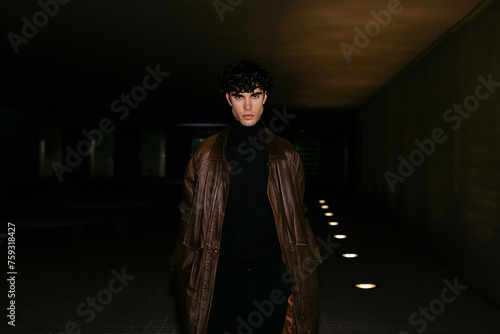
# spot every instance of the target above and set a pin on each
(324, 206)
(333, 223)
(340, 236)
(321, 201)
(350, 255)
(328, 214)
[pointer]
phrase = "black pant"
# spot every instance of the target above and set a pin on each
(250, 298)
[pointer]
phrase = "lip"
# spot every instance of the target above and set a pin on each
(247, 116)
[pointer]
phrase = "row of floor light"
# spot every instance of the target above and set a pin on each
(324, 206)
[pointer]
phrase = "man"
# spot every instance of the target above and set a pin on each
(245, 256)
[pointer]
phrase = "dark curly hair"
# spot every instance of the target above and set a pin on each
(245, 76)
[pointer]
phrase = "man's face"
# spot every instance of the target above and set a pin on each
(247, 107)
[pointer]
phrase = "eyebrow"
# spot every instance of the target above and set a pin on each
(256, 93)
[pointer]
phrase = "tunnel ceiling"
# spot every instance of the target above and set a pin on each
(106, 45)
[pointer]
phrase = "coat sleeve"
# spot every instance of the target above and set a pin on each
(185, 208)
(300, 176)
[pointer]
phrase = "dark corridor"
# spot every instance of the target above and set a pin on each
(392, 105)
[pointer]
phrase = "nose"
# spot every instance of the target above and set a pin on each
(247, 105)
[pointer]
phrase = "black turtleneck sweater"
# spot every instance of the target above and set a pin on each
(249, 230)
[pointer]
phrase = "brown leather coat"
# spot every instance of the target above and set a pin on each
(206, 186)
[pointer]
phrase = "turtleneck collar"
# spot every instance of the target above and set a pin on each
(240, 132)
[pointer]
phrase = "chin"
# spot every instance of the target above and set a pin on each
(250, 122)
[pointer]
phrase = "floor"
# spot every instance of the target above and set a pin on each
(109, 280)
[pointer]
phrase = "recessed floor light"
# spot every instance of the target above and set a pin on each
(365, 286)
(324, 206)
(333, 223)
(328, 214)
(340, 236)
(350, 255)
(321, 201)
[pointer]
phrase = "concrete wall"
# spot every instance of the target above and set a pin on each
(447, 194)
